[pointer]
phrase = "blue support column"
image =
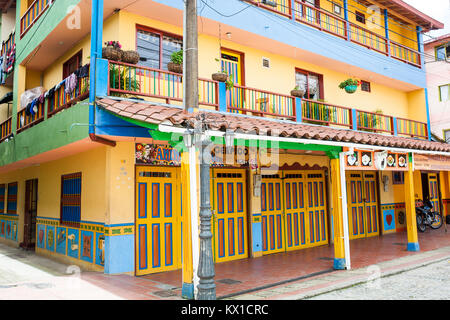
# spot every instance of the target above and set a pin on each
(292, 9)
(96, 53)
(394, 125)
(428, 114)
(222, 97)
(354, 120)
(386, 29)
(420, 46)
(298, 109)
(346, 19)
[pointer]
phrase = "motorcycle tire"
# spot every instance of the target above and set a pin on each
(438, 221)
(420, 224)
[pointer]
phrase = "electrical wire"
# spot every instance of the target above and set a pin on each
(226, 15)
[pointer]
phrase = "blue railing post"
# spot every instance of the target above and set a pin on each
(101, 78)
(354, 120)
(395, 126)
(386, 30)
(293, 10)
(298, 109)
(222, 97)
(427, 104)
(346, 19)
(420, 46)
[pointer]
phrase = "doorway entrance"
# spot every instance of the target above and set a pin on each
(31, 197)
(362, 195)
(430, 189)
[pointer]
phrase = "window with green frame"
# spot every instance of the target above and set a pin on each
(447, 135)
(443, 52)
(444, 93)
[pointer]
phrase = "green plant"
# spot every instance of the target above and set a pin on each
(115, 44)
(229, 83)
(349, 82)
(177, 57)
(123, 79)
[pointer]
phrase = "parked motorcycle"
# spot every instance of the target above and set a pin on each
(426, 216)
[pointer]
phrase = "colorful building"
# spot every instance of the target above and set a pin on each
(96, 169)
(437, 61)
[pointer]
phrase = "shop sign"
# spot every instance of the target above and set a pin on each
(431, 162)
(163, 155)
(371, 160)
(158, 155)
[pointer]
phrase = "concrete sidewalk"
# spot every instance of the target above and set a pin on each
(336, 280)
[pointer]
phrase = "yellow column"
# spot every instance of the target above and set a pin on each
(410, 201)
(187, 291)
(338, 212)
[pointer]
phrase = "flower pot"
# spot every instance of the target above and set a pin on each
(298, 93)
(176, 68)
(351, 89)
(112, 53)
(220, 76)
(131, 57)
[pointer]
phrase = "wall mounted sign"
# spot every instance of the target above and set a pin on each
(366, 160)
(158, 155)
(163, 155)
(431, 162)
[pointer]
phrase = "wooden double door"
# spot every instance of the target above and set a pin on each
(31, 200)
(362, 203)
(293, 211)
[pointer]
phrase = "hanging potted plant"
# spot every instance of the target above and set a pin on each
(221, 75)
(131, 57)
(112, 51)
(298, 92)
(350, 85)
(176, 62)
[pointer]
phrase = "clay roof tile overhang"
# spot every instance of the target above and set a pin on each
(160, 114)
(402, 8)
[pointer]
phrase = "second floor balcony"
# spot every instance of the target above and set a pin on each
(137, 82)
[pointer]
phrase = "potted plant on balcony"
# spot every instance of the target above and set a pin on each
(131, 57)
(176, 62)
(112, 51)
(298, 92)
(221, 75)
(123, 79)
(350, 85)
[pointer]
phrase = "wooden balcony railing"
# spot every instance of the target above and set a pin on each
(411, 128)
(259, 102)
(26, 120)
(328, 22)
(374, 122)
(62, 100)
(34, 12)
(135, 80)
(320, 19)
(368, 39)
(6, 129)
(326, 114)
(155, 84)
(406, 54)
(8, 44)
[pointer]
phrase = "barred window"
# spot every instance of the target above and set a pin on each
(2, 197)
(11, 200)
(71, 200)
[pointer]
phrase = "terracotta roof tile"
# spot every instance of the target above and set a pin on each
(156, 114)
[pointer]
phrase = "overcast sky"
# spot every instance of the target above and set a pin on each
(437, 9)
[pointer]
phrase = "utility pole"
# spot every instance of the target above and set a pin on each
(191, 54)
(206, 289)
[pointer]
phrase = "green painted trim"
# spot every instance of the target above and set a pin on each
(53, 133)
